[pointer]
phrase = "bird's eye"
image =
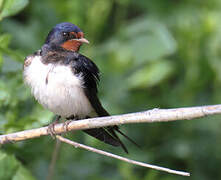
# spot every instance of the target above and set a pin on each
(65, 34)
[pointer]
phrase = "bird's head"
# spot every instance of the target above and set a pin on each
(67, 36)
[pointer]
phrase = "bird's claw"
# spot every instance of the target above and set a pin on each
(65, 125)
(51, 129)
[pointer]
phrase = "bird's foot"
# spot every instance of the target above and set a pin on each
(69, 119)
(51, 126)
(65, 125)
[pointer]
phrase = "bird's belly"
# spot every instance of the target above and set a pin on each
(57, 88)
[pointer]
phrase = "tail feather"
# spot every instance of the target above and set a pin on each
(103, 135)
(109, 136)
(128, 138)
(111, 130)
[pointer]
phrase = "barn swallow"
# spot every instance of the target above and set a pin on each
(65, 82)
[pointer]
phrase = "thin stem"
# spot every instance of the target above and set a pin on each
(78, 145)
(55, 152)
(54, 160)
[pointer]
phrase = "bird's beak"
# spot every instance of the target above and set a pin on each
(83, 40)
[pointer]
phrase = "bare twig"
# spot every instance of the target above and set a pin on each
(54, 156)
(78, 145)
(54, 160)
(150, 116)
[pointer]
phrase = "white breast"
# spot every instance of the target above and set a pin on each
(57, 88)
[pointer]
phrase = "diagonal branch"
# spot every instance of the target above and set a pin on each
(150, 116)
(78, 145)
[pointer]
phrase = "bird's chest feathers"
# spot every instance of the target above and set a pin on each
(57, 88)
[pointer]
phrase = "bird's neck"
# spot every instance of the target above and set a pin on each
(54, 54)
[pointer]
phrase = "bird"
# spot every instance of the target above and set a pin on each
(65, 82)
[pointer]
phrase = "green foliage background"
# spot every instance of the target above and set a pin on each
(152, 54)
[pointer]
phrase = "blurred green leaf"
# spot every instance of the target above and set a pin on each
(5, 40)
(11, 169)
(23, 174)
(10, 65)
(4, 43)
(1, 60)
(8, 166)
(151, 74)
(11, 7)
(4, 94)
(150, 39)
(143, 40)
